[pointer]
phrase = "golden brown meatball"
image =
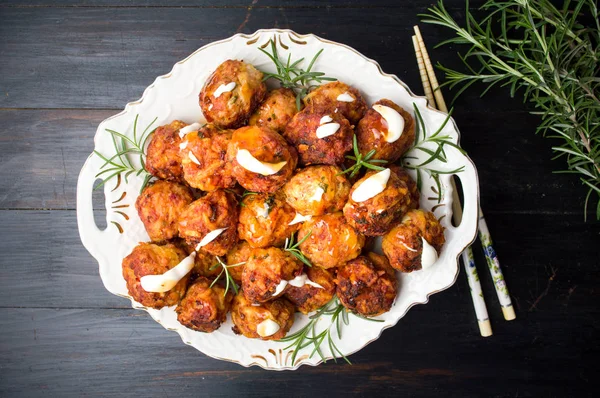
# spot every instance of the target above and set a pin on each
(332, 241)
(265, 271)
(203, 157)
(238, 255)
(276, 111)
(317, 190)
(162, 157)
(203, 264)
(214, 211)
(152, 259)
(304, 130)
(232, 93)
(337, 95)
(266, 146)
(159, 207)
(204, 308)
(367, 285)
(410, 183)
(248, 318)
(309, 298)
(264, 220)
(372, 131)
(375, 216)
(403, 245)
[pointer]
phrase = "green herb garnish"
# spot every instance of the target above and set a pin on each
(361, 160)
(294, 250)
(229, 281)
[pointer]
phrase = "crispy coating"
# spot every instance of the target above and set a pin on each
(267, 146)
(265, 269)
(332, 241)
(246, 317)
(301, 132)
(207, 167)
(325, 97)
(303, 191)
(373, 128)
(203, 308)
(231, 109)
(375, 216)
(264, 220)
(203, 264)
(276, 111)
(216, 210)
(239, 254)
(410, 183)
(152, 259)
(367, 285)
(309, 298)
(159, 207)
(403, 245)
(162, 157)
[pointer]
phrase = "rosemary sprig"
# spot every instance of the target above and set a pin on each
(548, 54)
(121, 162)
(229, 281)
(294, 248)
(361, 160)
(432, 145)
(291, 75)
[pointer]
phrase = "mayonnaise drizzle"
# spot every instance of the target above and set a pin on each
(394, 120)
(429, 255)
(298, 218)
(164, 282)
(209, 237)
(250, 163)
(188, 129)
(183, 145)
(317, 196)
(280, 287)
(224, 88)
(345, 97)
(326, 127)
(267, 328)
(193, 158)
(302, 280)
(372, 186)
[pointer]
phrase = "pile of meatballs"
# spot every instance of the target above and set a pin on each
(203, 190)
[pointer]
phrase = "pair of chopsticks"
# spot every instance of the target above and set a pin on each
(434, 96)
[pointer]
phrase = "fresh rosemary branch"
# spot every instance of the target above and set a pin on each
(291, 75)
(548, 54)
(229, 281)
(294, 248)
(125, 147)
(361, 161)
(433, 146)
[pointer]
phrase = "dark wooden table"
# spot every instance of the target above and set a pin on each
(65, 66)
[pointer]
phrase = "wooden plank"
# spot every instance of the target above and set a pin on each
(48, 148)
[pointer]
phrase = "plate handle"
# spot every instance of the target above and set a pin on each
(470, 211)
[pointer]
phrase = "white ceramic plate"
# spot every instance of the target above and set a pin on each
(175, 96)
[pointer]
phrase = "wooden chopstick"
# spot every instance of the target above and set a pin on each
(423, 72)
(484, 233)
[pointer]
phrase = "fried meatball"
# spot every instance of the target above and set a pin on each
(375, 216)
(247, 317)
(337, 95)
(159, 207)
(232, 93)
(367, 285)
(309, 298)
(278, 108)
(265, 270)
(238, 255)
(162, 157)
(216, 210)
(403, 245)
(203, 264)
(332, 241)
(410, 183)
(152, 259)
(204, 308)
(264, 220)
(372, 131)
(266, 146)
(302, 133)
(203, 157)
(317, 190)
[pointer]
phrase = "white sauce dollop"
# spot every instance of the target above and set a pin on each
(282, 285)
(263, 211)
(325, 119)
(326, 128)
(164, 282)
(267, 328)
(345, 97)
(372, 186)
(302, 280)
(224, 88)
(250, 163)
(183, 145)
(298, 218)
(193, 158)
(408, 247)
(209, 237)
(429, 255)
(317, 196)
(394, 121)
(188, 129)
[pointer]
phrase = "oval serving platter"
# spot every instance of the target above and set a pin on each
(175, 96)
